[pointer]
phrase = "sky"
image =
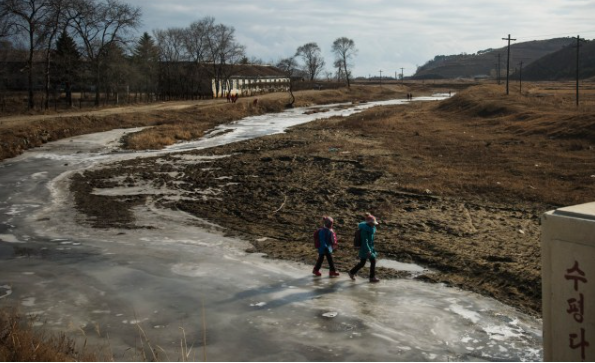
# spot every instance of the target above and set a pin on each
(388, 34)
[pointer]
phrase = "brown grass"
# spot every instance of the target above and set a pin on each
(486, 143)
(21, 342)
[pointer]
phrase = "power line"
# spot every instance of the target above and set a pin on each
(508, 61)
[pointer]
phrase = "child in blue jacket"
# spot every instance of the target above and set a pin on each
(327, 239)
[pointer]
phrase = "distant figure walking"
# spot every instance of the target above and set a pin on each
(366, 250)
(325, 239)
(228, 97)
(255, 102)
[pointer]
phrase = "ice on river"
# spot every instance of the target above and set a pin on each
(184, 281)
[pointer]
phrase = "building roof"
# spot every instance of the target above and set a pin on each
(257, 70)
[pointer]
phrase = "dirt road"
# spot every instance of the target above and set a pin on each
(7, 122)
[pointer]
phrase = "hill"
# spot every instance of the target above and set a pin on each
(561, 65)
(485, 62)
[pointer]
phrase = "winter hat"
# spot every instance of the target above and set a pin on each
(328, 221)
(371, 219)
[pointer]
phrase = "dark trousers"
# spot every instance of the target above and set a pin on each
(362, 263)
(329, 258)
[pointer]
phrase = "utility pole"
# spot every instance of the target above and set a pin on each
(402, 78)
(578, 45)
(498, 75)
(380, 78)
(508, 61)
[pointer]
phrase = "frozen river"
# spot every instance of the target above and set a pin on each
(184, 284)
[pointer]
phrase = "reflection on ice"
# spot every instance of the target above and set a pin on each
(400, 266)
(269, 124)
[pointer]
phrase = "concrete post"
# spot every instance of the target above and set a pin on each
(568, 278)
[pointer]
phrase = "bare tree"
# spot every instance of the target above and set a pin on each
(312, 58)
(56, 19)
(339, 67)
(196, 43)
(289, 66)
(344, 51)
(171, 54)
(27, 19)
(224, 53)
(254, 60)
(99, 25)
(6, 28)
(196, 39)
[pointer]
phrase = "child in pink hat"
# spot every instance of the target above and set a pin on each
(327, 240)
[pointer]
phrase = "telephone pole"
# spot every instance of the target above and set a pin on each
(578, 45)
(402, 78)
(380, 78)
(508, 61)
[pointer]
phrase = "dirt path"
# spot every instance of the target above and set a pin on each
(7, 122)
(16, 121)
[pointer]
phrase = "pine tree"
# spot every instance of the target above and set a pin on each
(146, 61)
(67, 63)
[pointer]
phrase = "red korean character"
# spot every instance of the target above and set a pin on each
(576, 307)
(580, 344)
(576, 274)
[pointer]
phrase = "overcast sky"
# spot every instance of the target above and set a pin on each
(389, 34)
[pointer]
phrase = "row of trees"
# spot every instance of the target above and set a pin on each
(100, 29)
(91, 44)
(313, 64)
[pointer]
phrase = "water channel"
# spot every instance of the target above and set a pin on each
(192, 293)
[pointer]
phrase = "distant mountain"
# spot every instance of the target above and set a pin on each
(485, 63)
(561, 65)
